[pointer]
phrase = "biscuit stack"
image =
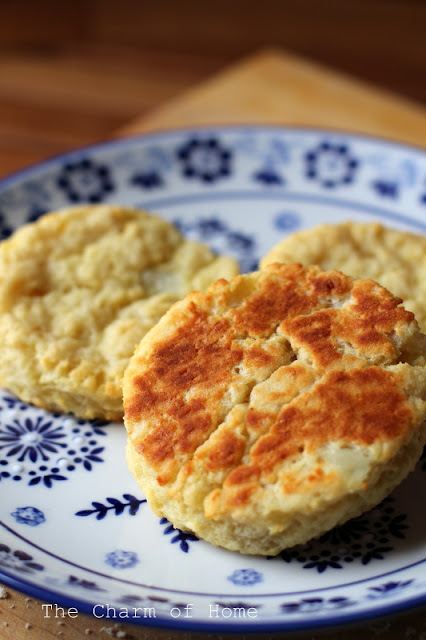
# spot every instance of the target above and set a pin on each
(261, 410)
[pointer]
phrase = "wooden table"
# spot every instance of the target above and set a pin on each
(270, 87)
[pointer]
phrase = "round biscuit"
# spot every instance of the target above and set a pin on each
(268, 409)
(79, 288)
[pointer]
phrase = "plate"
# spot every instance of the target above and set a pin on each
(75, 530)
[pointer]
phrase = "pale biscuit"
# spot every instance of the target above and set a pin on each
(79, 288)
(271, 408)
(395, 259)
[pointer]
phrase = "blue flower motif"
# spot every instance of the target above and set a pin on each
(321, 562)
(121, 559)
(222, 239)
(241, 241)
(46, 478)
(386, 188)
(306, 605)
(314, 605)
(209, 226)
(29, 515)
(88, 458)
(287, 221)
(389, 589)
(362, 540)
(331, 165)
(205, 159)
(85, 181)
(12, 402)
(268, 177)
(32, 439)
(147, 180)
(29, 441)
(81, 583)
(33, 197)
(245, 577)
(18, 560)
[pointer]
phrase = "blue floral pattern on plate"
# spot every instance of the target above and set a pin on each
(30, 516)
(40, 447)
(81, 583)
(245, 577)
(268, 177)
(85, 181)
(147, 180)
(386, 188)
(331, 165)
(287, 221)
(364, 539)
(314, 605)
(204, 159)
(223, 239)
(18, 560)
(239, 190)
(184, 538)
(130, 504)
(120, 559)
(31, 439)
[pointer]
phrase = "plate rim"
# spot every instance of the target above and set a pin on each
(175, 131)
(331, 620)
(326, 622)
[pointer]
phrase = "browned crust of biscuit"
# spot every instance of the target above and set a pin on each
(188, 372)
(366, 406)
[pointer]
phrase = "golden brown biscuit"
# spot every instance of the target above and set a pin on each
(273, 407)
(395, 259)
(78, 290)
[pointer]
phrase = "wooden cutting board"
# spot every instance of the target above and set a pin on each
(274, 87)
(271, 87)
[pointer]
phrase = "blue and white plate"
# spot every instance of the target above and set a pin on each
(75, 530)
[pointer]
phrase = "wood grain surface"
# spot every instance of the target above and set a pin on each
(68, 80)
(74, 71)
(282, 89)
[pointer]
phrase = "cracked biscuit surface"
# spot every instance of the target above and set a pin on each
(79, 288)
(268, 409)
(395, 259)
